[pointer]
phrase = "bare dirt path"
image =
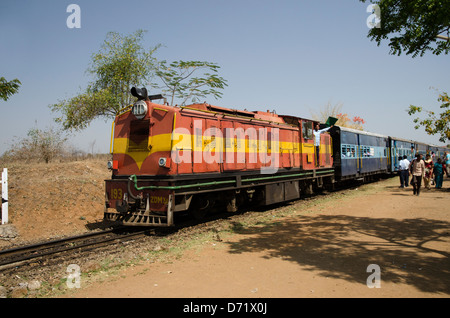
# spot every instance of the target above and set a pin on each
(321, 251)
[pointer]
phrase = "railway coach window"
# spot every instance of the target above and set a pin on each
(366, 152)
(348, 151)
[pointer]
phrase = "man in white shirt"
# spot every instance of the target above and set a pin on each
(404, 171)
(317, 134)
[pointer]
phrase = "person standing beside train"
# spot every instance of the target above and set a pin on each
(428, 172)
(439, 173)
(447, 162)
(404, 172)
(417, 169)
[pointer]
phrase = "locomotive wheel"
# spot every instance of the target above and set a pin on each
(199, 208)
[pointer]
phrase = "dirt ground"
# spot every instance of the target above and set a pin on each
(47, 201)
(308, 248)
(319, 250)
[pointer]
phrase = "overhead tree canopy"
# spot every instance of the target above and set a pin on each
(435, 124)
(413, 26)
(121, 63)
(179, 81)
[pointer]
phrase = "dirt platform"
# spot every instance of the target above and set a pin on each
(322, 250)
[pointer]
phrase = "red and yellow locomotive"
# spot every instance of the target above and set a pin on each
(200, 158)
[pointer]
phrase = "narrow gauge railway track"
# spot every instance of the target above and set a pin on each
(19, 255)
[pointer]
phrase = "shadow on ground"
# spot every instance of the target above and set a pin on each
(411, 251)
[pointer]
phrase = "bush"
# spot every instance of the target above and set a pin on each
(39, 145)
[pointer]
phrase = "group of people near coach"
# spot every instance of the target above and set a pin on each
(420, 169)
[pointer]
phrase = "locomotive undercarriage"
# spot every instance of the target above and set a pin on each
(204, 197)
(135, 213)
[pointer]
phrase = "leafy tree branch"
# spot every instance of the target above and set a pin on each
(7, 89)
(178, 82)
(434, 123)
(121, 62)
(413, 26)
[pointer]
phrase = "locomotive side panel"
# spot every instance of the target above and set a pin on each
(201, 158)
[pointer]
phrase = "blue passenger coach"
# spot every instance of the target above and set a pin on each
(421, 148)
(359, 154)
(399, 148)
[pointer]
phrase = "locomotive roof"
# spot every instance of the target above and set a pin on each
(267, 116)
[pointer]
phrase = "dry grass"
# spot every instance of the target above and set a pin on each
(54, 199)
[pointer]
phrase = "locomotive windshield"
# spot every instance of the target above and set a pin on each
(139, 132)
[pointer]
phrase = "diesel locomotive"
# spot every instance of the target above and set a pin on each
(201, 158)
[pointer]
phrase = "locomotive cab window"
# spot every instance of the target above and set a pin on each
(139, 131)
(307, 130)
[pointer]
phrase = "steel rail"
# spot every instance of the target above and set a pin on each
(29, 252)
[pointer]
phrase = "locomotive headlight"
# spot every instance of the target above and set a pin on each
(139, 109)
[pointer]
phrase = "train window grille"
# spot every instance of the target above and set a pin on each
(327, 152)
(344, 151)
(349, 151)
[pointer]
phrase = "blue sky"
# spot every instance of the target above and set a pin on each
(290, 56)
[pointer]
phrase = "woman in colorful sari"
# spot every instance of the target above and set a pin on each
(438, 173)
(428, 171)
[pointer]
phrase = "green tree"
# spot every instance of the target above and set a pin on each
(435, 123)
(413, 26)
(8, 88)
(179, 81)
(121, 63)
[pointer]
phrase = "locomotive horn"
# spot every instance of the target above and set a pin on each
(140, 93)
